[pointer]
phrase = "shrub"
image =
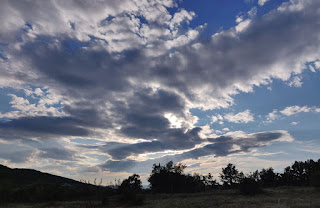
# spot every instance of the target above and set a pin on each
(249, 186)
(315, 179)
(129, 189)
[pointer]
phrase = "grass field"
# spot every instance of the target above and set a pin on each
(292, 197)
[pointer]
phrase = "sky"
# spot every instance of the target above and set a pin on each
(105, 89)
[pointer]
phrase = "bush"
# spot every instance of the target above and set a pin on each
(129, 189)
(315, 179)
(249, 186)
(131, 198)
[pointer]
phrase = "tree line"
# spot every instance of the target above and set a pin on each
(170, 178)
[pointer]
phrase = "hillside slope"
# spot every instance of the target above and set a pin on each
(20, 177)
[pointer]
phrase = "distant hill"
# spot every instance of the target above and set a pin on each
(20, 177)
(27, 185)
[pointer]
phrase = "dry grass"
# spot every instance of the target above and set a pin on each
(277, 197)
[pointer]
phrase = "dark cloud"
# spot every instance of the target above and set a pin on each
(87, 115)
(133, 166)
(41, 126)
(122, 151)
(90, 74)
(171, 139)
(220, 146)
(16, 153)
(226, 145)
(57, 154)
(17, 156)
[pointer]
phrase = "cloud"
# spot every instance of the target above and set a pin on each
(120, 151)
(211, 80)
(231, 143)
(57, 154)
(170, 139)
(225, 129)
(113, 71)
(243, 25)
(317, 64)
(242, 117)
(272, 116)
(216, 118)
(262, 2)
(295, 82)
(117, 26)
(40, 126)
(292, 110)
(16, 153)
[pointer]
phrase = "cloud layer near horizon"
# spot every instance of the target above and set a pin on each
(127, 73)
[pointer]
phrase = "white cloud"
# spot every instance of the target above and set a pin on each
(180, 17)
(262, 2)
(253, 12)
(38, 92)
(312, 68)
(289, 111)
(242, 117)
(225, 129)
(212, 82)
(294, 123)
(292, 110)
(272, 116)
(118, 24)
(243, 25)
(42, 107)
(239, 19)
(216, 118)
(295, 82)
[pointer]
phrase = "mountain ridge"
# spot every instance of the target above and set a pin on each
(20, 177)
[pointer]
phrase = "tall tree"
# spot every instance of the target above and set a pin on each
(170, 178)
(132, 183)
(230, 175)
(268, 177)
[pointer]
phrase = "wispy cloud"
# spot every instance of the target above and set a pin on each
(242, 117)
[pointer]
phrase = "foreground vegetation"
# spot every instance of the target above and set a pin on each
(280, 197)
(297, 186)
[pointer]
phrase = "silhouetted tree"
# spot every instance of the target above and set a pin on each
(300, 173)
(268, 177)
(171, 179)
(230, 175)
(209, 182)
(132, 183)
(129, 189)
(249, 186)
(198, 181)
(254, 175)
(313, 170)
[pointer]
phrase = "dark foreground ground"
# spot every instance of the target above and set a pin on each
(292, 197)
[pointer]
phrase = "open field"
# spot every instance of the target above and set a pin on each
(292, 197)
